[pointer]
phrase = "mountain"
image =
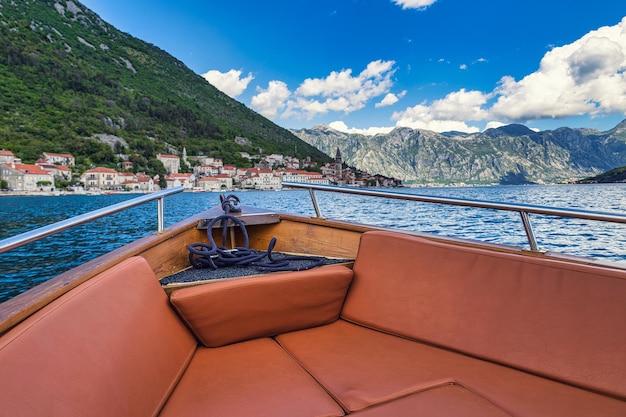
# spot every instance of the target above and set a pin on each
(510, 154)
(69, 81)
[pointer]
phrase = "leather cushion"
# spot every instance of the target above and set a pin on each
(235, 310)
(253, 378)
(549, 317)
(110, 347)
(363, 368)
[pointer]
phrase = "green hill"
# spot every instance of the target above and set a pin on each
(66, 75)
(614, 175)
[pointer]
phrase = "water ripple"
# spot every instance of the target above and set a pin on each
(27, 266)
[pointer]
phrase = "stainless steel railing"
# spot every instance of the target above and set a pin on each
(51, 229)
(523, 209)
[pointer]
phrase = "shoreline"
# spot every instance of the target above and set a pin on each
(62, 193)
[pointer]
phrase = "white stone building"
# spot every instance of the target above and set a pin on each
(59, 158)
(8, 156)
(293, 175)
(100, 178)
(263, 179)
(217, 183)
(170, 162)
(187, 181)
(26, 177)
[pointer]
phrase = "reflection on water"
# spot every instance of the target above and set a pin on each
(25, 267)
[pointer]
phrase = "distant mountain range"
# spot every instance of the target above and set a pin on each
(512, 154)
(68, 79)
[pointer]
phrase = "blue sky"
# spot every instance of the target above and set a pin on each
(370, 65)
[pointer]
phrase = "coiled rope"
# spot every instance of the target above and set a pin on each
(203, 255)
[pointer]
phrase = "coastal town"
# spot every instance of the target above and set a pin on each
(193, 173)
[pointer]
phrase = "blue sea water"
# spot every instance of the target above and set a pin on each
(26, 267)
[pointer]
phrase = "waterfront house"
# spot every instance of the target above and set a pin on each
(294, 175)
(128, 181)
(100, 178)
(217, 183)
(146, 183)
(139, 182)
(264, 179)
(176, 180)
(26, 177)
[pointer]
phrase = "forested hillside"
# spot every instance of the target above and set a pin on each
(66, 76)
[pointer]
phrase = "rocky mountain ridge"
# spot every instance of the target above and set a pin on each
(512, 154)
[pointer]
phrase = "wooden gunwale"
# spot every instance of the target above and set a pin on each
(167, 253)
(152, 247)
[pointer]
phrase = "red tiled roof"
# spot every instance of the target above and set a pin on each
(28, 169)
(102, 170)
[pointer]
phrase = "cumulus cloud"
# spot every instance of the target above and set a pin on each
(449, 113)
(340, 91)
(494, 125)
(414, 4)
(270, 101)
(390, 99)
(587, 76)
(370, 131)
(230, 82)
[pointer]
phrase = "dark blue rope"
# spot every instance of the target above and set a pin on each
(202, 255)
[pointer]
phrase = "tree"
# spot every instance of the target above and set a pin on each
(155, 167)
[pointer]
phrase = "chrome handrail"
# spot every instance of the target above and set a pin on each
(51, 229)
(523, 209)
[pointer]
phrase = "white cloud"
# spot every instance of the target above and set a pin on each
(587, 76)
(463, 67)
(270, 101)
(390, 99)
(229, 82)
(414, 4)
(371, 131)
(494, 125)
(340, 91)
(449, 113)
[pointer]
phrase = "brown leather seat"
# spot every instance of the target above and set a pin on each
(110, 347)
(114, 347)
(364, 368)
(253, 378)
(534, 337)
(426, 329)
